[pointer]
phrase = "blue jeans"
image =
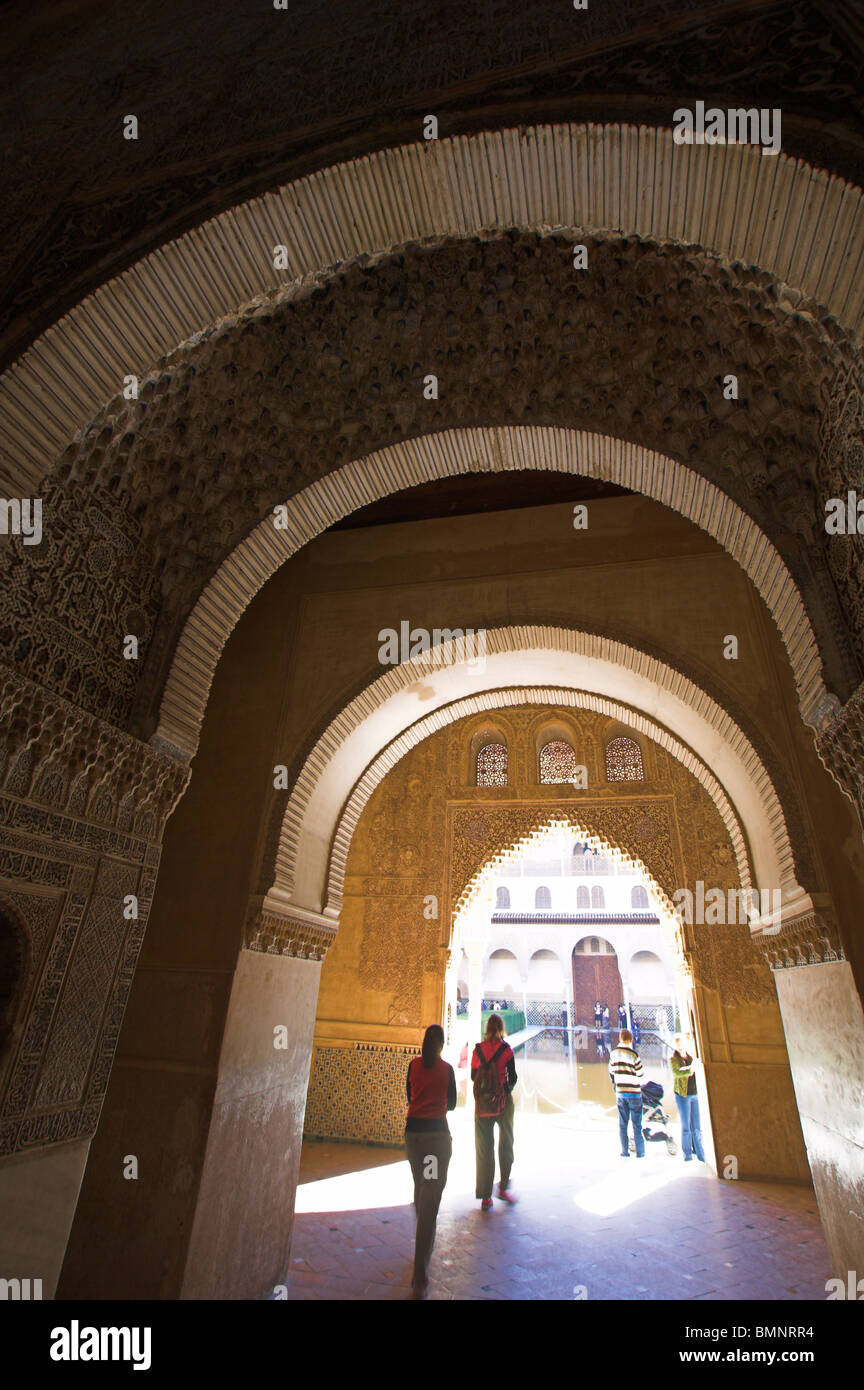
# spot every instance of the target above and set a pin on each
(630, 1107)
(691, 1132)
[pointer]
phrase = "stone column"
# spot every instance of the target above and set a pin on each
(824, 1025)
(474, 926)
(475, 994)
(451, 985)
(241, 1231)
(83, 807)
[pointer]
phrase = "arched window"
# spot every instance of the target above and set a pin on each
(542, 898)
(638, 898)
(583, 860)
(624, 761)
(557, 762)
(597, 897)
(583, 897)
(595, 945)
(502, 897)
(492, 765)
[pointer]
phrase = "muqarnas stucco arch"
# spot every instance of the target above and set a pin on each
(588, 177)
(454, 452)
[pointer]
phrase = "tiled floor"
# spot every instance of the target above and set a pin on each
(587, 1224)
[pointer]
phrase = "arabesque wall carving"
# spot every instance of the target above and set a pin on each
(478, 833)
(841, 748)
(83, 807)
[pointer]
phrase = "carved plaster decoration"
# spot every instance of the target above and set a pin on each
(840, 745)
(513, 699)
(504, 641)
(503, 323)
(638, 829)
(57, 755)
(286, 936)
(812, 939)
(82, 807)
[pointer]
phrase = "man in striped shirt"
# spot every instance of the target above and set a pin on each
(625, 1073)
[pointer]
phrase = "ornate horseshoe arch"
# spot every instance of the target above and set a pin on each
(330, 792)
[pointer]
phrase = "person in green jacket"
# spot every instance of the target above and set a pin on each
(686, 1098)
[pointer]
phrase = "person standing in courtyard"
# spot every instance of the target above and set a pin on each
(686, 1098)
(493, 1072)
(431, 1087)
(626, 1075)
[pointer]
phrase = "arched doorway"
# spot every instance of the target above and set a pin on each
(597, 988)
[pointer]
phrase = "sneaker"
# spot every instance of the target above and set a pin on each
(505, 1196)
(486, 1204)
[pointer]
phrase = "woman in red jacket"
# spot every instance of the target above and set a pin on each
(493, 1071)
(431, 1086)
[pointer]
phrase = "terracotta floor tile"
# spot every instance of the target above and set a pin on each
(661, 1231)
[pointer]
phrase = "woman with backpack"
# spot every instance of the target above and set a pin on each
(431, 1086)
(493, 1072)
(686, 1099)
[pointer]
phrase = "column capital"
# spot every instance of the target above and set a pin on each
(811, 939)
(306, 937)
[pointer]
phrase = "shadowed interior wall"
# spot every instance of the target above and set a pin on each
(38, 1193)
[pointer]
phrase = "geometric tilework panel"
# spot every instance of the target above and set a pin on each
(358, 1093)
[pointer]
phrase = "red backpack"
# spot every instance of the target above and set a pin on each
(489, 1094)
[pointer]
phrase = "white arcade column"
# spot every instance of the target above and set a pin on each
(474, 923)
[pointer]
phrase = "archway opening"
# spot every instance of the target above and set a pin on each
(577, 946)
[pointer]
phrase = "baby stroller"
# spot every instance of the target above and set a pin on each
(654, 1121)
